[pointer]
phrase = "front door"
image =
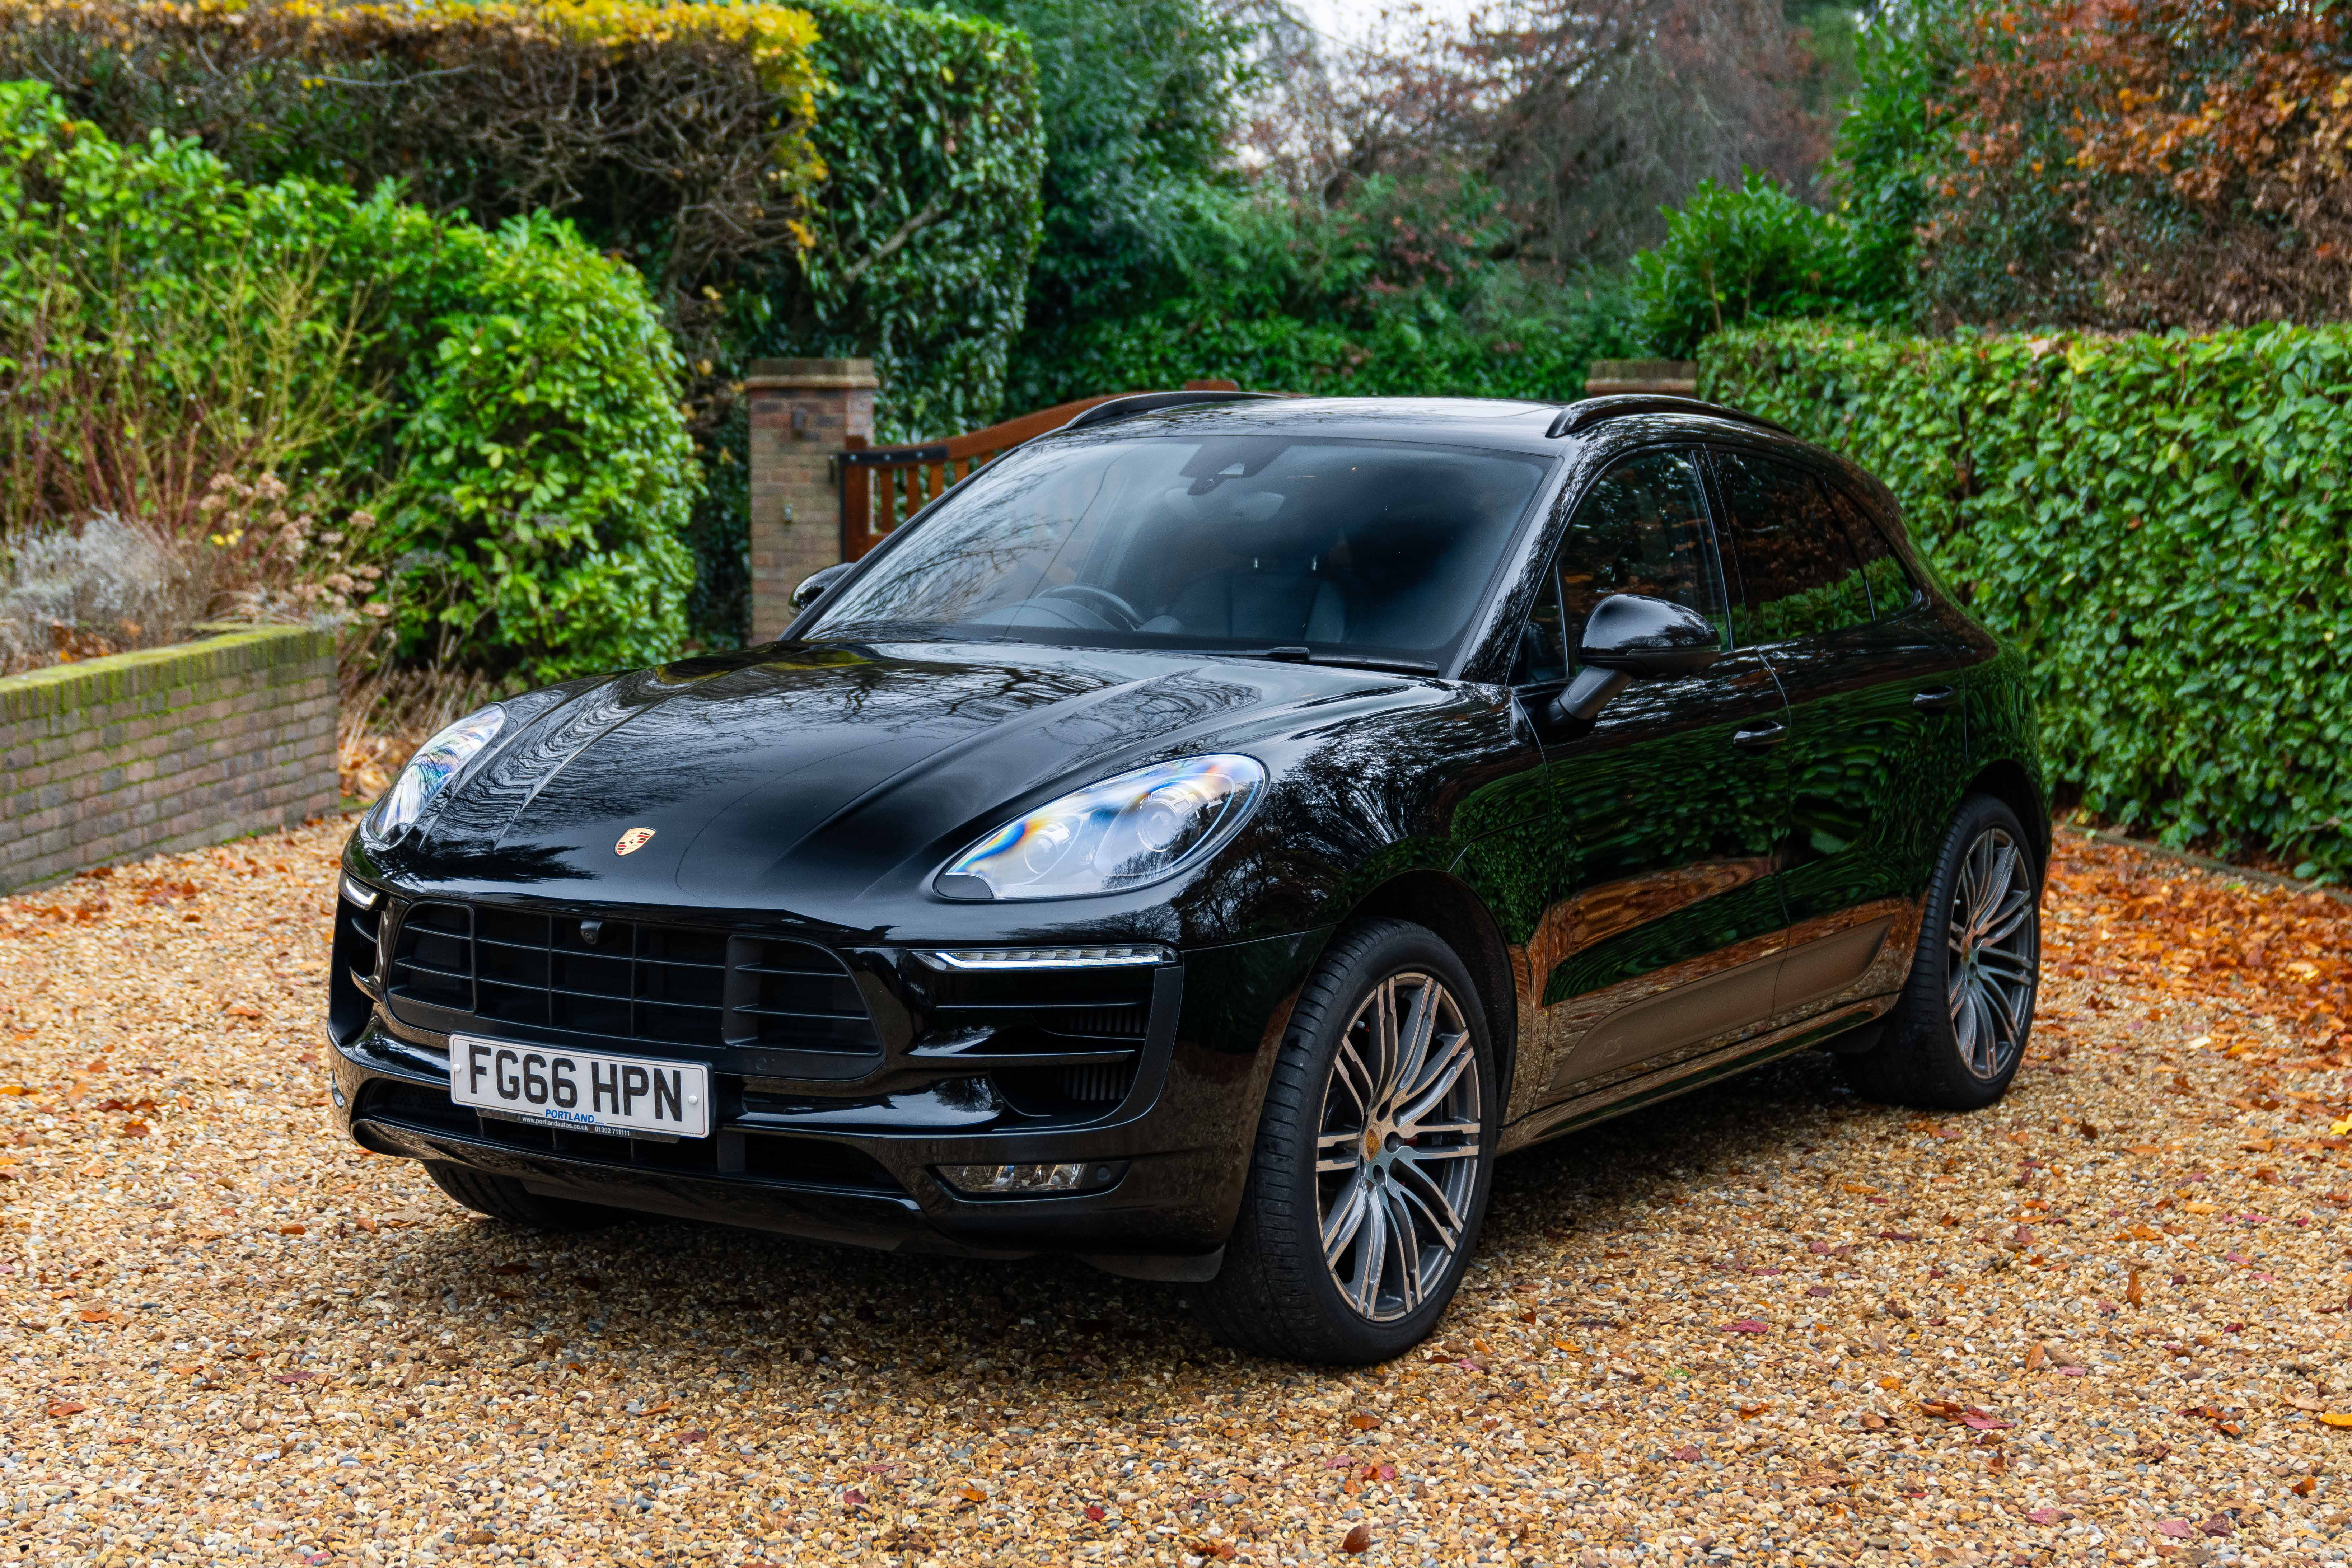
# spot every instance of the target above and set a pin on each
(1671, 801)
(1875, 727)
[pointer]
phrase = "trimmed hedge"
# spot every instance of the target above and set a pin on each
(2162, 523)
(513, 399)
(674, 131)
(839, 177)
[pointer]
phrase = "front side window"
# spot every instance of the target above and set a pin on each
(1641, 528)
(1375, 550)
(1798, 571)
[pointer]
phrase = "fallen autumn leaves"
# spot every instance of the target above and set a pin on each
(1765, 1323)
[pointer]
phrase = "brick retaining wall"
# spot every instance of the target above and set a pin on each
(114, 758)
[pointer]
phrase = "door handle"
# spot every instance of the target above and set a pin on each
(1760, 737)
(1935, 699)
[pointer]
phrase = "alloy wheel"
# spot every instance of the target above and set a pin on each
(1396, 1156)
(1994, 939)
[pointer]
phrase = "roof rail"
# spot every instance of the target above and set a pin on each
(1591, 411)
(1149, 402)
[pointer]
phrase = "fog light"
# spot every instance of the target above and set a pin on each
(360, 893)
(1023, 1180)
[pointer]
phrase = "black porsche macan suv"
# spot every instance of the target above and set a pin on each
(1207, 837)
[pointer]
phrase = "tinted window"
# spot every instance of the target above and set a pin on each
(1891, 588)
(1204, 541)
(1640, 530)
(1543, 643)
(1798, 571)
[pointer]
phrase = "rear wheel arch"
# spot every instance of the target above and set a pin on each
(2008, 782)
(1448, 908)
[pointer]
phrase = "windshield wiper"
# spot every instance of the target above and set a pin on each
(1347, 661)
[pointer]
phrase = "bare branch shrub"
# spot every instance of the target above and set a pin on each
(125, 387)
(71, 592)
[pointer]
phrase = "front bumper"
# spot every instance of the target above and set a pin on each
(813, 1152)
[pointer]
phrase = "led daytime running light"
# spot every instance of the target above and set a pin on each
(1004, 958)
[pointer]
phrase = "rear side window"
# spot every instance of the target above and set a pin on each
(1800, 575)
(1642, 529)
(1891, 592)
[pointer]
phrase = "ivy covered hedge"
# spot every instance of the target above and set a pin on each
(927, 221)
(2163, 523)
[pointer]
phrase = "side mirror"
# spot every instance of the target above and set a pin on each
(816, 583)
(1648, 638)
(1629, 637)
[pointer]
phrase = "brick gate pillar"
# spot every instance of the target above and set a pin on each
(802, 412)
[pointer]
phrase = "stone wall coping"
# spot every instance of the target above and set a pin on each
(86, 683)
(812, 376)
(1619, 376)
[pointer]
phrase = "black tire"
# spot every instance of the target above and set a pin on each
(1275, 1295)
(1923, 1056)
(503, 1197)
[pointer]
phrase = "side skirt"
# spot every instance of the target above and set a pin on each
(1554, 1120)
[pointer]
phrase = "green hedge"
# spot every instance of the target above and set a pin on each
(2163, 523)
(512, 400)
(868, 191)
(544, 476)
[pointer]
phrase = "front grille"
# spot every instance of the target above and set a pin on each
(1059, 1044)
(628, 982)
(1099, 1083)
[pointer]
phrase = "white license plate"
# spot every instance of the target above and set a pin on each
(581, 1089)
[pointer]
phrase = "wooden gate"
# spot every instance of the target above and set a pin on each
(882, 486)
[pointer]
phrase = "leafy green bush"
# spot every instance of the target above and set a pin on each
(508, 402)
(1756, 253)
(1894, 131)
(1396, 293)
(545, 475)
(1137, 98)
(2161, 522)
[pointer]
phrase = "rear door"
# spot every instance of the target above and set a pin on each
(1823, 597)
(1672, 802)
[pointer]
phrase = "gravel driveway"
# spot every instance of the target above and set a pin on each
(2101, 1322)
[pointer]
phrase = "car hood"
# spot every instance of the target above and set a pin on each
(820, 770)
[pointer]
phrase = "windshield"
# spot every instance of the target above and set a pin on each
(1376, 551)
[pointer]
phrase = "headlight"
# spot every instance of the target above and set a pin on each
(1125, 832)
(434, 764)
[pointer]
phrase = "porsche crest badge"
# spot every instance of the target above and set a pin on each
(635, 839)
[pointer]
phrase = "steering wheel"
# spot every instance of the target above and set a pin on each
(1101, 601)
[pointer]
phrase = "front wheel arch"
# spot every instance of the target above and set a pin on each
(1453, 911)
